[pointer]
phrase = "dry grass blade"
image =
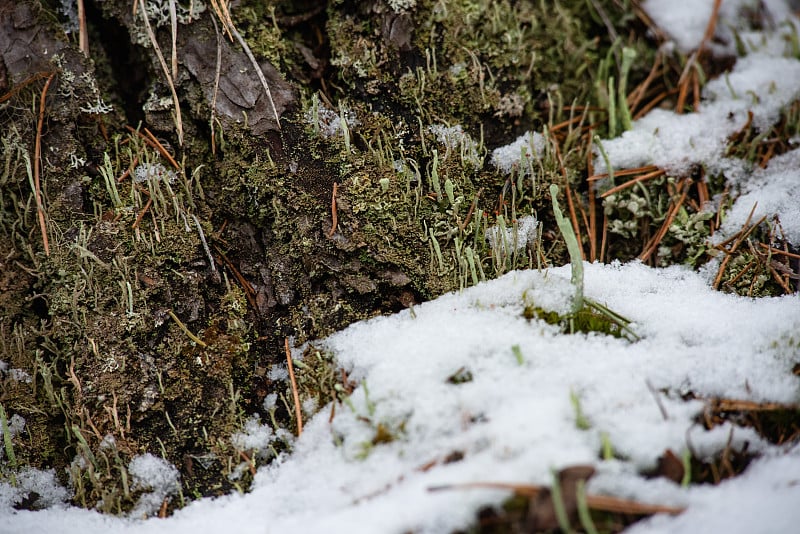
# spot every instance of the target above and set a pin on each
(37, 165)
(173, 26)
(297, 411)
(165, 68)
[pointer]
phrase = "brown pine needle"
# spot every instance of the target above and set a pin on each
(739, 237)
(654, 102)
(471, 210)
(21, 85)
(158, 146)
(153, 142)
(656, 240)
(638, 93)
(773, 250)
(37, 156)
(295, 394)
(626, 172)
(334, 214)
(629, 183)
(735, 405)
(140, 216)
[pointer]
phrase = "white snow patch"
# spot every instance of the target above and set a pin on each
(513, 237)
(518, 153)
(759, 83)
(157, 477)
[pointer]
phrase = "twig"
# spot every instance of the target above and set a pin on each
(186, 330)
(140, 216)
(83, 34)
(334, 214)
(165, 68)
(37, 156)
(295, 394)
(471, 210)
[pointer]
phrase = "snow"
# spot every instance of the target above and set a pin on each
(514, 422)
(524, 147)
(511, 419)
(158, 479)
(759, 83)
(516, 238)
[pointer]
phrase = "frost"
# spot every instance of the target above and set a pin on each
(455, 139)
(153, 171)
(278, 373)
(255, 437)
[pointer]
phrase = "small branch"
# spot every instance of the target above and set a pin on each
(295, 394)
